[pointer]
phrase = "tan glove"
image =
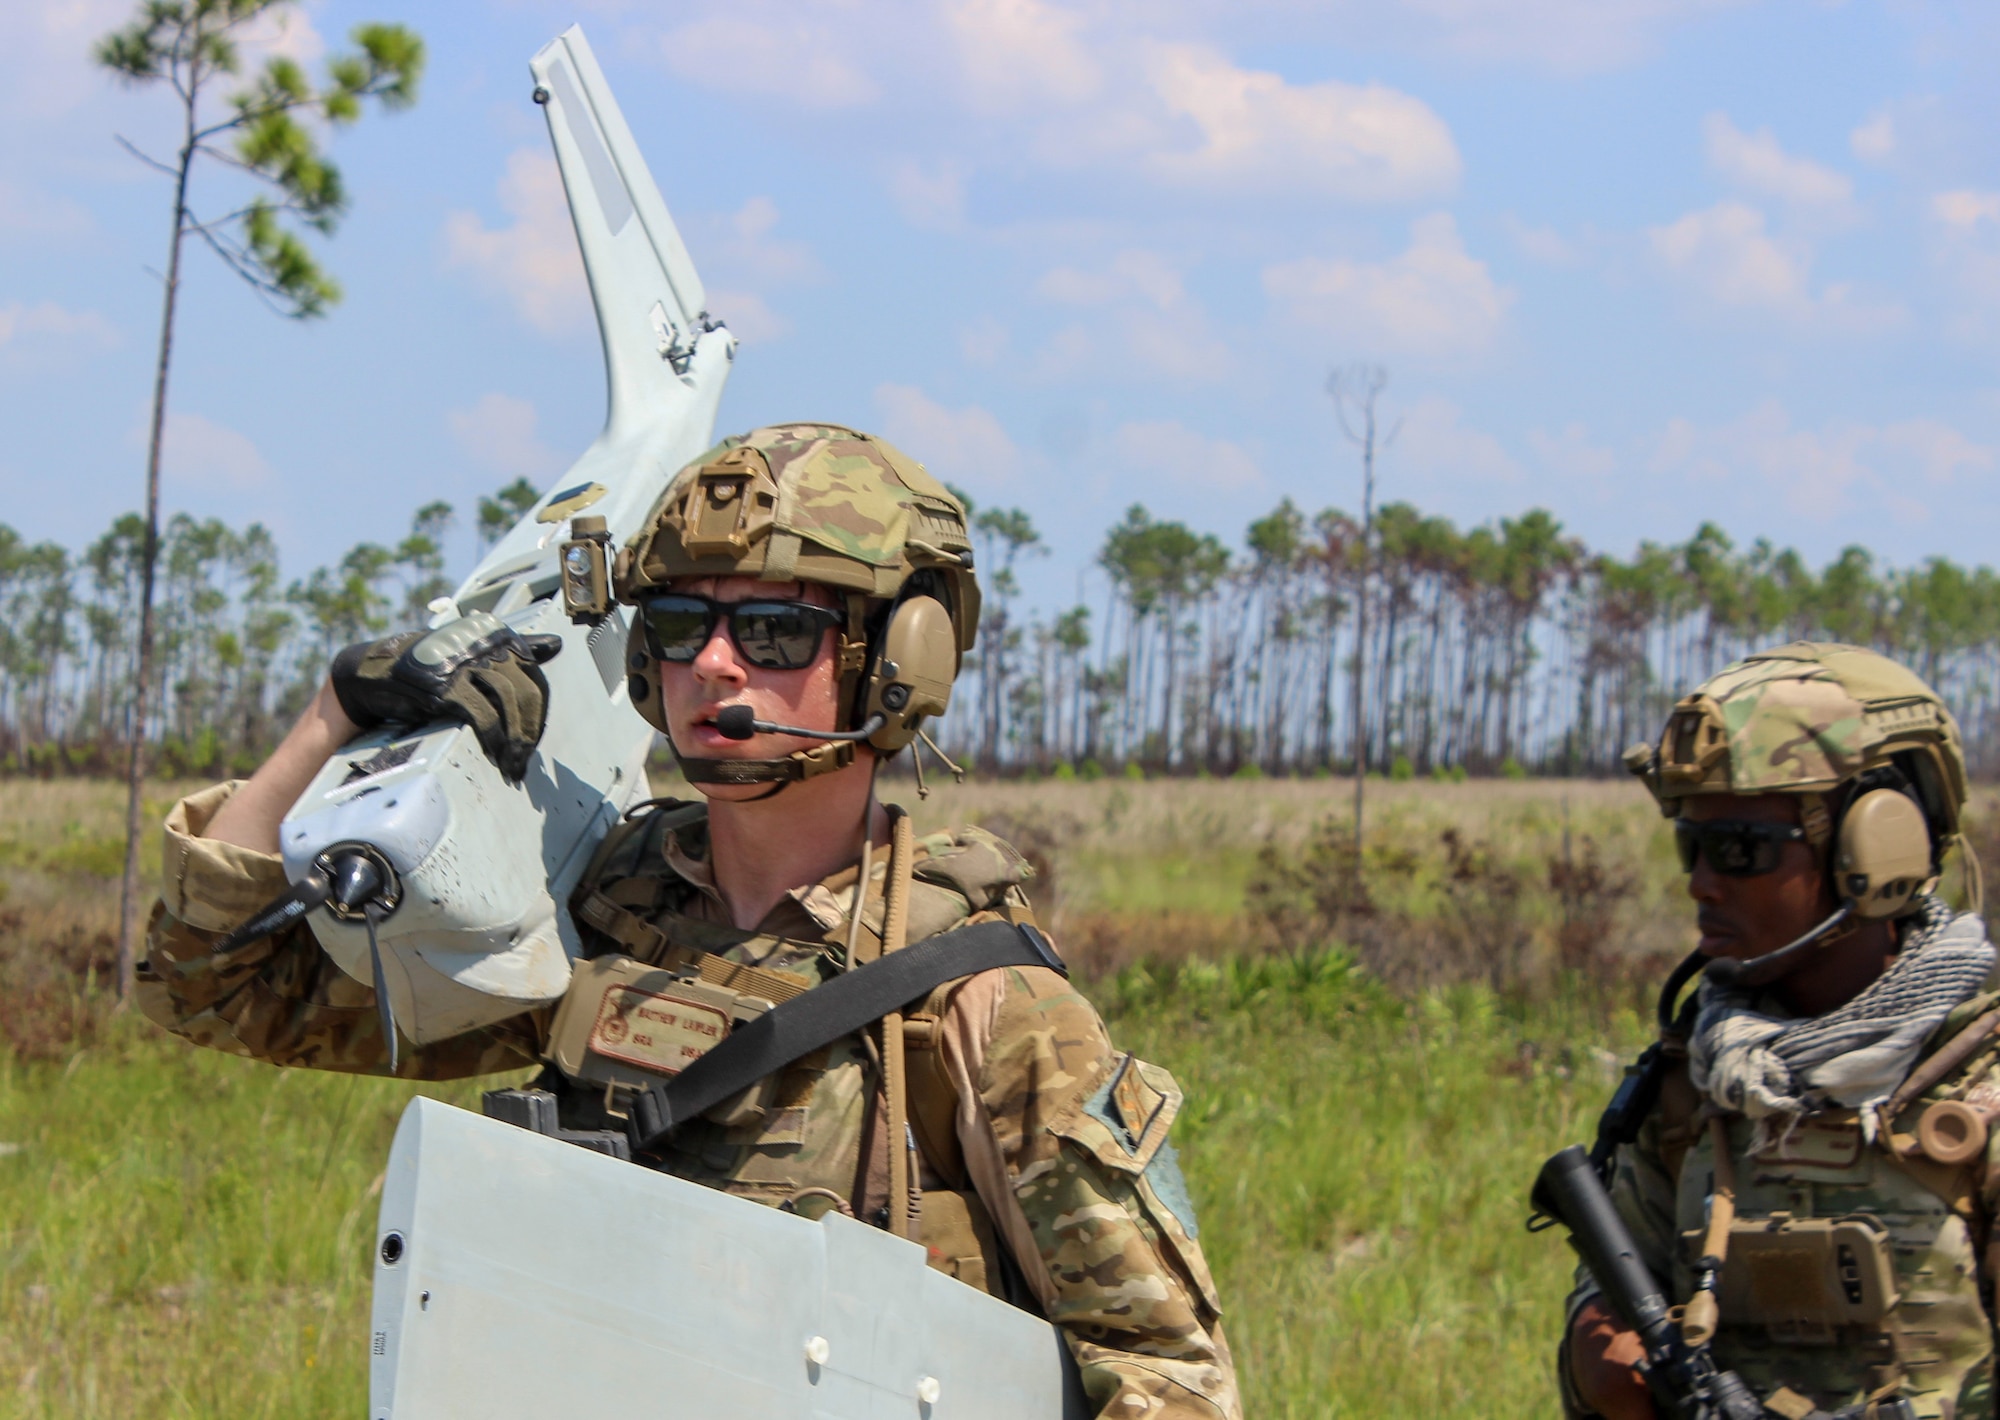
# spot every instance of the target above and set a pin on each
(477, 671)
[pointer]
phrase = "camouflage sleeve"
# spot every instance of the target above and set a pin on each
(282, 999)
(1643, 1192)
(1083, 1133)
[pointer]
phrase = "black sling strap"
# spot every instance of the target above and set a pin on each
(826, 1013)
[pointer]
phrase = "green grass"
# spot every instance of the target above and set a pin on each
(185, 1234)
(1362, 1167)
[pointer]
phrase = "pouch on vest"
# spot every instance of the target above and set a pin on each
(623, 1025)
(1803, 1279)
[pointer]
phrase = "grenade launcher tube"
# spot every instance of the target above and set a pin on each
(1684, 1380)
(1569, 1189)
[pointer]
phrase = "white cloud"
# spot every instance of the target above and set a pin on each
(1874, 138)
(281, 31)
(1360, 142)
(1965, 209)
(1067, 352)
(750, 251)
(964, 446)
(1565, 35)
(1968, 251)
(533, 263)
(1167, 450)
(1542, 244)
(1755, 162)
(499, 433)
(984, 341)
(779, 53)
(1435, 440)
(49, 68)
(929, 197)
(1726, 255)
(1434, 299)
(204, 454)
(1820, 474)
(39, 212)
(45, 319)
(748, 315)
(744, 261)
(1019, 54)
(1143, 320)
(1069, 86)
(1570, 454)
(1133, 273)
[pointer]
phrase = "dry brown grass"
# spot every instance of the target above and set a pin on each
(62, 848)
(1510, 882)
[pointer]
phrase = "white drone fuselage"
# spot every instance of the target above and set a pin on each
(482, 929)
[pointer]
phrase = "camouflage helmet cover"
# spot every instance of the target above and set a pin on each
(812, 503)
(1806, 718)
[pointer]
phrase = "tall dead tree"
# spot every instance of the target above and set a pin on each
(1356, 393)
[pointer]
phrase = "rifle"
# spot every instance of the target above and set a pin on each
(1685, 1381)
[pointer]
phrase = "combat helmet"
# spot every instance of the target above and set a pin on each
(826, 504)
(1871, 750)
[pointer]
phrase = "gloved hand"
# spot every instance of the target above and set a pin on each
(477, 670)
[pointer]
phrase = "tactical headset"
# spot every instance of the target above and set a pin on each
(909, 659)
(1884, 845)
(909, 605)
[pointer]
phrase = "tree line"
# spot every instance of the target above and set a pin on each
(1502, 648)
(1509, 647)
(238, 650)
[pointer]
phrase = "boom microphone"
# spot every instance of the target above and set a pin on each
(739, 722)
(1733, 975)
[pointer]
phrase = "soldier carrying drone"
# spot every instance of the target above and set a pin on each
(803, 583)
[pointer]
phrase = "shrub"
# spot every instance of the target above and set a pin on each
(1401, 770)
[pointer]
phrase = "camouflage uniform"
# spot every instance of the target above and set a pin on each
(1055, 1141)
(1935, 1348)
(1810, 719)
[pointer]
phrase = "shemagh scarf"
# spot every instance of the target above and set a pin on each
(1774, 1069)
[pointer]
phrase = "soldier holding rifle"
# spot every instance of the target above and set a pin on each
(1802, 1161)
(803, 595)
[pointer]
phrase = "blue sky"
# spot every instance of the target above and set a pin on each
(1643, 262)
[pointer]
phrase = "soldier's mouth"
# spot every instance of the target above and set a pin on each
(1717, 935)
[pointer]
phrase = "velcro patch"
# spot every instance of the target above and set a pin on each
(1126, 1121)
(654, 1030)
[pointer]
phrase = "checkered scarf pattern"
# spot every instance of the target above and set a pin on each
(1774, 1069)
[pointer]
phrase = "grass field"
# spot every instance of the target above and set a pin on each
(184, 1234)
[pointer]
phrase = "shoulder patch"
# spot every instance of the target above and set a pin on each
(1125, 1122)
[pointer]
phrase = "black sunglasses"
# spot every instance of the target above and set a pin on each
(773, 635)
(1734, 848)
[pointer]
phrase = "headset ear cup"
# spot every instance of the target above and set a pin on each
(914, 666)
(642, 679)
(1883, 858)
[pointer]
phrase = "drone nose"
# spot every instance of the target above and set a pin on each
(356, 880)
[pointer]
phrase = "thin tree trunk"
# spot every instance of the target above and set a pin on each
(135, 764)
